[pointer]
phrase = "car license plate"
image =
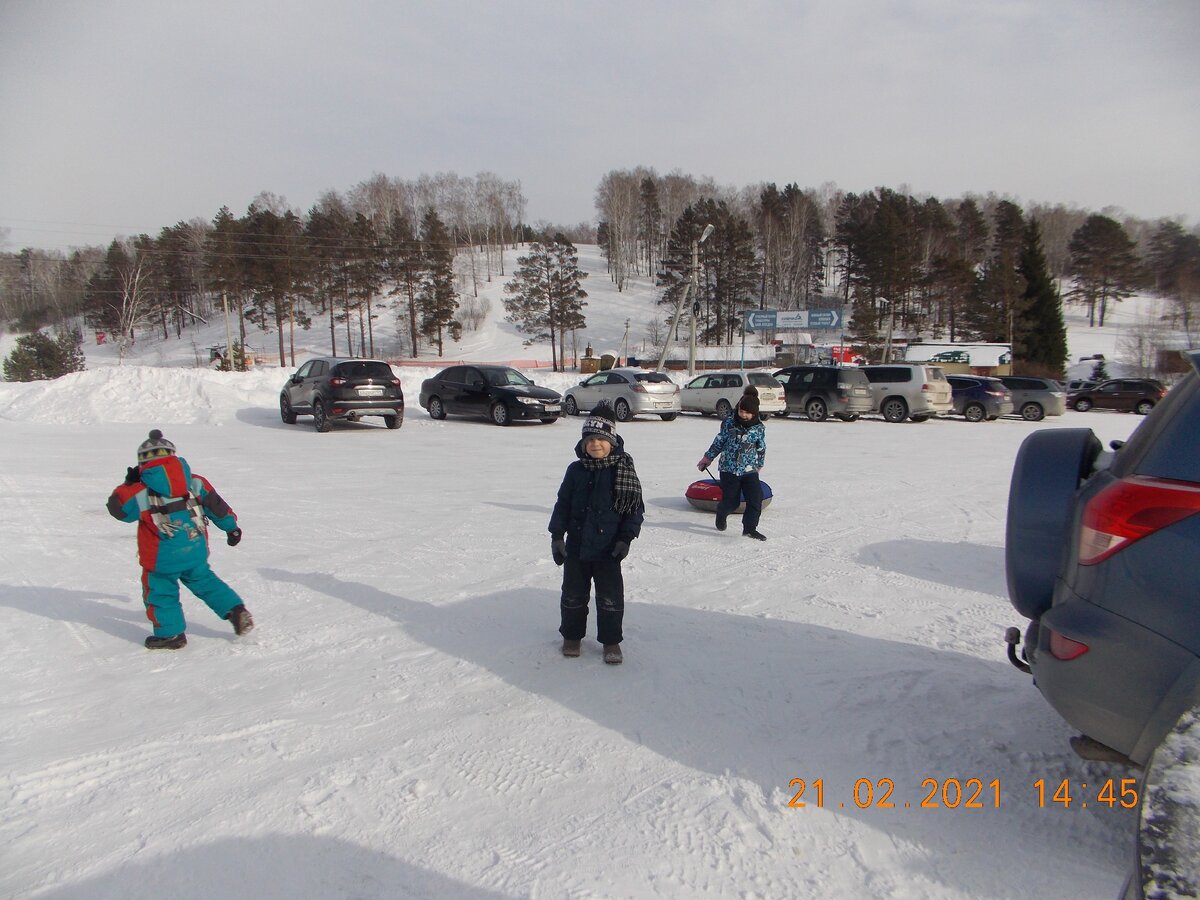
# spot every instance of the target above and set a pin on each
(662, 405)
(552, 407)
(370, 392)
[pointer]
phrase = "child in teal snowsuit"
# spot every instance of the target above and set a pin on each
(172, 508)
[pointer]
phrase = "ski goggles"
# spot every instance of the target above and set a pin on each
(154, 453)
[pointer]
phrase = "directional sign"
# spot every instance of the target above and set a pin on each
(780, 320)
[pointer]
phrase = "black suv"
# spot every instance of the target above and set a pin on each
(1101, 552)
(331, 388)
(499, 393)
(1138, 395)
(822, 391)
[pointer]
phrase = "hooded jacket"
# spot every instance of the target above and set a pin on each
(584, 511)
(740, 446)
(172, 508)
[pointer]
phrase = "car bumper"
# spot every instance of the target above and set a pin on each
(1122, 691)
(353, 409)
(535, 411)
(654, 406)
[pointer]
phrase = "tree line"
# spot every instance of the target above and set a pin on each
(972, 269)
(422, 248)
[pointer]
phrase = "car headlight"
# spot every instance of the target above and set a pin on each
(533, 401)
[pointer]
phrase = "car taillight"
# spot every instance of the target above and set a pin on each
(639, 388)
(1062, 647)
(337, 382)
(1128, 510)
(395, 382)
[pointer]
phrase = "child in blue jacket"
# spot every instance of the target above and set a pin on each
(172, 508)
(742, 445)
(597, 515)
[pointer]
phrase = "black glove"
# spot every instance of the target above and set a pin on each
(621, 550)
(558, 549)
(232, 538)
(133, 475)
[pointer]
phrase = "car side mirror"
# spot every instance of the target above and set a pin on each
(295, 379)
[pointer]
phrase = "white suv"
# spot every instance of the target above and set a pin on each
(907, 391)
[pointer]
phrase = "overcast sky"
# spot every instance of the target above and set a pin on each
(121, 117)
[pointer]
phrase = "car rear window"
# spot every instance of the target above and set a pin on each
(761, 378)
(652, 377)
(1164, 443)
(364, 369)
(852, 376)
(882, 374)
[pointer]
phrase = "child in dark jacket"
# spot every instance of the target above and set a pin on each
(742, 445)
(597, 515)
(172, 508)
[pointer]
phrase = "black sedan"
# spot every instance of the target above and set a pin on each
(499, 393)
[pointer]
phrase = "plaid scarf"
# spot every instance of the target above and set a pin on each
(627, 488)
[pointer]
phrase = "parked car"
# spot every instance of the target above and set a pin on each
(1035, 398)
(719, 393)
(1100, 556)
(499, 393)
(630, 392)
(979, 397)
(901, 391)
(1137, 394)
(330, 388)
(822, 391)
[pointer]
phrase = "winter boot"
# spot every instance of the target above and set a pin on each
(758, 536)
(721, 517)
(571, 648)
(612, 654)
(240, 617)
(166, 643)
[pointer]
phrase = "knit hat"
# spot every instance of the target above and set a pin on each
(749, 401)
(155, 446)
(601, 422)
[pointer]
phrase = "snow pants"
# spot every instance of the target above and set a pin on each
(733, 488)
(160, 593)
(576, 592)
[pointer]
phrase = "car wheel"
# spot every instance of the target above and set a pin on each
(894, 409)
(1032, 412)
(570, 407)
(624, 413)
(668, 417)
(321, 422)
(724, 409)
(815, 410)
(436, 410)
(393, 422)
(1083, 404)
(285, 410)
(1048, 469)
(500, 414)
(1143, 408)
(974, 413)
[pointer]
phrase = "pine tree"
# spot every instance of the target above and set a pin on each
(1104, 266)
(436, 299)
(1041, 345)
(39, 357)
(546, 295)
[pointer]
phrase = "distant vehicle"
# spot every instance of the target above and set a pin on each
(719, 392)
(498, 393)
(1035, 398)
(1100, 554)
(630, 392)
(818, 392)
(978, 398)
(901, 391)
(1139, 395)
(330, 388)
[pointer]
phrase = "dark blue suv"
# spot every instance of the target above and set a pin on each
(1101, 551)
(979, 397)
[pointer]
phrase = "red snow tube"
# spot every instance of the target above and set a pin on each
(705, 494)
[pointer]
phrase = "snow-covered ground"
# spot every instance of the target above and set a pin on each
(401, 724)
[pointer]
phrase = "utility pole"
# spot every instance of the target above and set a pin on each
(228, 337)
(693, 283)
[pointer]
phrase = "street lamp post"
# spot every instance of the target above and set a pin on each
(692, 288)
(887, 350)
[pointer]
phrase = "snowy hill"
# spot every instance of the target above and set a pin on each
(401, 723)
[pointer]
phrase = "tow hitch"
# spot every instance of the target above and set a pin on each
(1012, 637)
